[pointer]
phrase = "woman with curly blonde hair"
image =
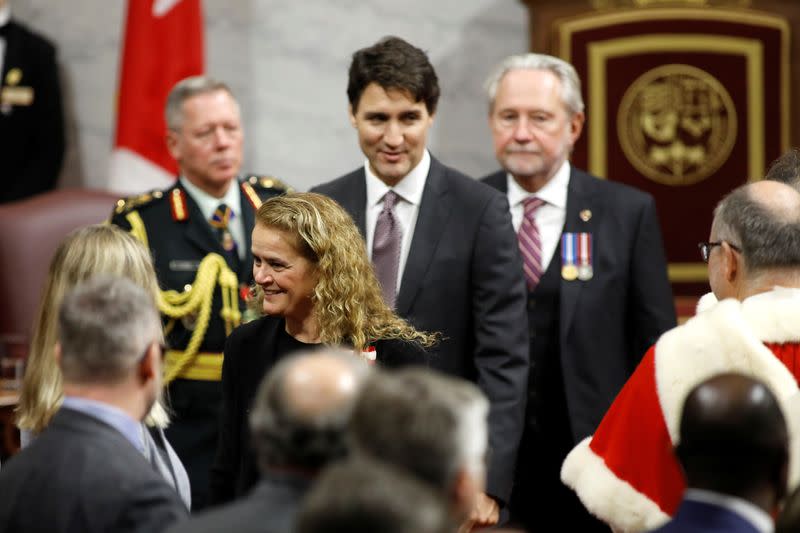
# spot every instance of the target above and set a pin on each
(96, 249)
(314, 285)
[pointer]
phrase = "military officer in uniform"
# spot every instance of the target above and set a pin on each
(199, 234)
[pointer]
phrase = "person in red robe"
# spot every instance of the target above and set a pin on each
(626, 473)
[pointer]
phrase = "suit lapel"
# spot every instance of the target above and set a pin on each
(578, 199)
(354, 199)
(498, 180)
(434, 210)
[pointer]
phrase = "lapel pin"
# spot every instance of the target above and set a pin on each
(586, 215)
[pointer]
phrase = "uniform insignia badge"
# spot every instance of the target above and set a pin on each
(250, 194)
(128, 204)
(14, 76)
(16, 96)
(177, 205)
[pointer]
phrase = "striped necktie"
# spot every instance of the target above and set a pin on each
(220, 221)
(530, 243)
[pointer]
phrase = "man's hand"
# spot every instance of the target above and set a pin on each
(485, 513)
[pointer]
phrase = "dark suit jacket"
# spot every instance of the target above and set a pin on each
(31, 135)
(608, 322)
(251, 351)
(700, 517)
(81, 475)
(463, 277)
(269, 508)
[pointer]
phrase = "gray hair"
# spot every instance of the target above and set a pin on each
(768, 238)
(285, 436)
(105, 324)
(185, 89)
(431, 424)
(570, 82)
(786, 169)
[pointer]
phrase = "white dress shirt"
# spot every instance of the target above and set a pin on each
(409, 191)
(549, 217)
(208, 204)
(5, 16)
(752, 513)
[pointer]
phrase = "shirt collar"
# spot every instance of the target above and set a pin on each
(130, 428)
(5, 14)
(207, 203)
(554, 191)
(750, 512)
(409, 188)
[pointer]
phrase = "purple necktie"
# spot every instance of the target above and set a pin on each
(530, 243)
(386, 249)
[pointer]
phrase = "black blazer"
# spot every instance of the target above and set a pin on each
(463, 278)
(251, 351)
(81, 475)
(269, 508)
(608, 322)
(31, 133)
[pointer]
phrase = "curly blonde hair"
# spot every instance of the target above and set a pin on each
(348, 304)
(96, 249)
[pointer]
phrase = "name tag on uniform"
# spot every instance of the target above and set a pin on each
(178, 265)
(20, 96)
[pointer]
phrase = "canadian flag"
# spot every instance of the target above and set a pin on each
(163, 44)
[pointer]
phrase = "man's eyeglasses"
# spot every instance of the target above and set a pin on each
(706, 247)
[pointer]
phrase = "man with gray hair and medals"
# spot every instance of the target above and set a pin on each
(594, 263)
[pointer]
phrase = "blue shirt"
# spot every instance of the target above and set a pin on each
(117, 418)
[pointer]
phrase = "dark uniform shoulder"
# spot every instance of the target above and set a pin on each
(140, 201)
(267, 184)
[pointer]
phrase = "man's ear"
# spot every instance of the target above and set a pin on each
(576, 127)
(351, 114)
(173, 145)
(57, 354)
(149, 366)
(732, 263)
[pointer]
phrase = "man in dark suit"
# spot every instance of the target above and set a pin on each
(31, 116)
(297, 426)
(442, 244)
(734, 449)
(598, 294)
(199, 232)
(86, 472)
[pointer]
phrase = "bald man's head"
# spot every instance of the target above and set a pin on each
(733, 437)
(302, 409)
(756, 240)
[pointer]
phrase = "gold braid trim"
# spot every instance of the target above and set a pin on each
(212, 270)
(137, 227)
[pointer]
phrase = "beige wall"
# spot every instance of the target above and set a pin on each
(287, 62)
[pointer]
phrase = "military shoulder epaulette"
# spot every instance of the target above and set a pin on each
(134, 202)
(268, 182)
